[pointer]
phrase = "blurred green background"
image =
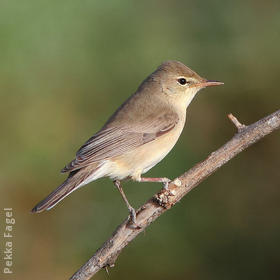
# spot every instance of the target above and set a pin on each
(67, 65)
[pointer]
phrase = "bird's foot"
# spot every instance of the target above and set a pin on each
(165, 182)
(133, 222)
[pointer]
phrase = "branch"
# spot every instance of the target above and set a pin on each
(178, 188)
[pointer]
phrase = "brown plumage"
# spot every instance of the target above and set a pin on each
(137, 136)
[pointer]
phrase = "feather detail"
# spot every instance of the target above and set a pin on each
(75, 180)
(115, 141)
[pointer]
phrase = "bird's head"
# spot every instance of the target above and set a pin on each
(179, 82)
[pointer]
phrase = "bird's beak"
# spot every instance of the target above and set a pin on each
(208, 83)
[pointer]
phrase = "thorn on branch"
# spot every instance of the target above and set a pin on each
(106, 269)
(236, 122)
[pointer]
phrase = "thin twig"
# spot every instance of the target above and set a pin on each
(178, 188)
(236, 122)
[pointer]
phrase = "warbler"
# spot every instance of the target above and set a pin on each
(137, 136)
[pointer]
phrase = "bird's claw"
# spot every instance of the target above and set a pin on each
(132, 214)
(166, 182)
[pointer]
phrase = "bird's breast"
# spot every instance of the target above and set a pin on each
(143, 158)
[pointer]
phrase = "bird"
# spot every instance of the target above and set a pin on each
(140, 133)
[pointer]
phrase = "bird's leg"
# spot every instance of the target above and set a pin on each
(165, 181)
(132, 212)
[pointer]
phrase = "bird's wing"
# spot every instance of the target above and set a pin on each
(114, 141)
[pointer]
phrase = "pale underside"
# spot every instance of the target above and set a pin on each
(120, 152)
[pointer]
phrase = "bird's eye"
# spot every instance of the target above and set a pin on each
(182, 81)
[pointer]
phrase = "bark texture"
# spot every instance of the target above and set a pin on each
(107, 254)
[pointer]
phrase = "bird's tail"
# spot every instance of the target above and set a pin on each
(75, 180)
